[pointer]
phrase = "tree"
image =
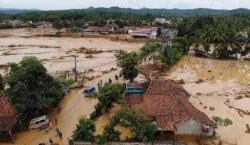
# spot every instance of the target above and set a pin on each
(141, 128)
(170, 55)
(31, 89)
(148, 48)
(84, 130)
(110, 134)
(128, 61)
(109, 94)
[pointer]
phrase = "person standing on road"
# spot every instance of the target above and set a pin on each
(50, 141)
(60, 135)
(57, 132)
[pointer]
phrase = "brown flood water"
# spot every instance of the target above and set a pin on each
(103, 120)
(55, 54)
(223, 82)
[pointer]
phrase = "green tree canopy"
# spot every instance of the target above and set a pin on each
(109, 94)
(84, 130)
(128, 61)
(170, 55)
(31, 89)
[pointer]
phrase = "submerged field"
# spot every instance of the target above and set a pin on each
(219, 88)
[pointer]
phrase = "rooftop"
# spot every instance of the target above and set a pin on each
(168, 103)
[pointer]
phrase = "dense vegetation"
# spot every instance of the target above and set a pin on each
(79, 18)
(140, 127)
(108, 94)
(167, 55)
(31, 89)
(84, 130)
(228, 34)
(138, 123)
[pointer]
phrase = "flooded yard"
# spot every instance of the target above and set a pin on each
(219, 88)
(57, 56)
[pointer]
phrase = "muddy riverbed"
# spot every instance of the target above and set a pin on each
(219, 88)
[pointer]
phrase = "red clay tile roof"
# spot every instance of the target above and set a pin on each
(7, 115)
(168, 102)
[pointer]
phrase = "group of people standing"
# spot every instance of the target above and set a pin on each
(58, 134)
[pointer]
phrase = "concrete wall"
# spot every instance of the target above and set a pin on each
(192, 127)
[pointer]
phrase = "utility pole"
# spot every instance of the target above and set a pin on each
(75, 69)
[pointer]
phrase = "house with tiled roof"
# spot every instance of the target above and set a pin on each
(150, 33)
(7, 117)
(167, 104)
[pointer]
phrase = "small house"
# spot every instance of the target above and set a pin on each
(167, 104)
(149, 33)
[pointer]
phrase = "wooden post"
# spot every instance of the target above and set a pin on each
(75, 69)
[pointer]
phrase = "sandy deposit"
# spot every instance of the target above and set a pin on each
(222, 91)
(56, 53)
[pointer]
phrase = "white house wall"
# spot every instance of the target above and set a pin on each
(191, 127)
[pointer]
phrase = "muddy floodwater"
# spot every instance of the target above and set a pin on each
(219, 88)
(57, 53)
(57, 56)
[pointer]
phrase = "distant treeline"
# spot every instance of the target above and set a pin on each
(144, 11)
(122, 16)
(78, 18)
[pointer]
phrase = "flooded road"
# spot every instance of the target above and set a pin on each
(218, 88)
(56, 55)
(73, 107)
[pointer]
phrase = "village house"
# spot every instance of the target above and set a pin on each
(167, 104)
(7, 118)
(149, 33)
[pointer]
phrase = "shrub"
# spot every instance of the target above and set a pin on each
(227, 122)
